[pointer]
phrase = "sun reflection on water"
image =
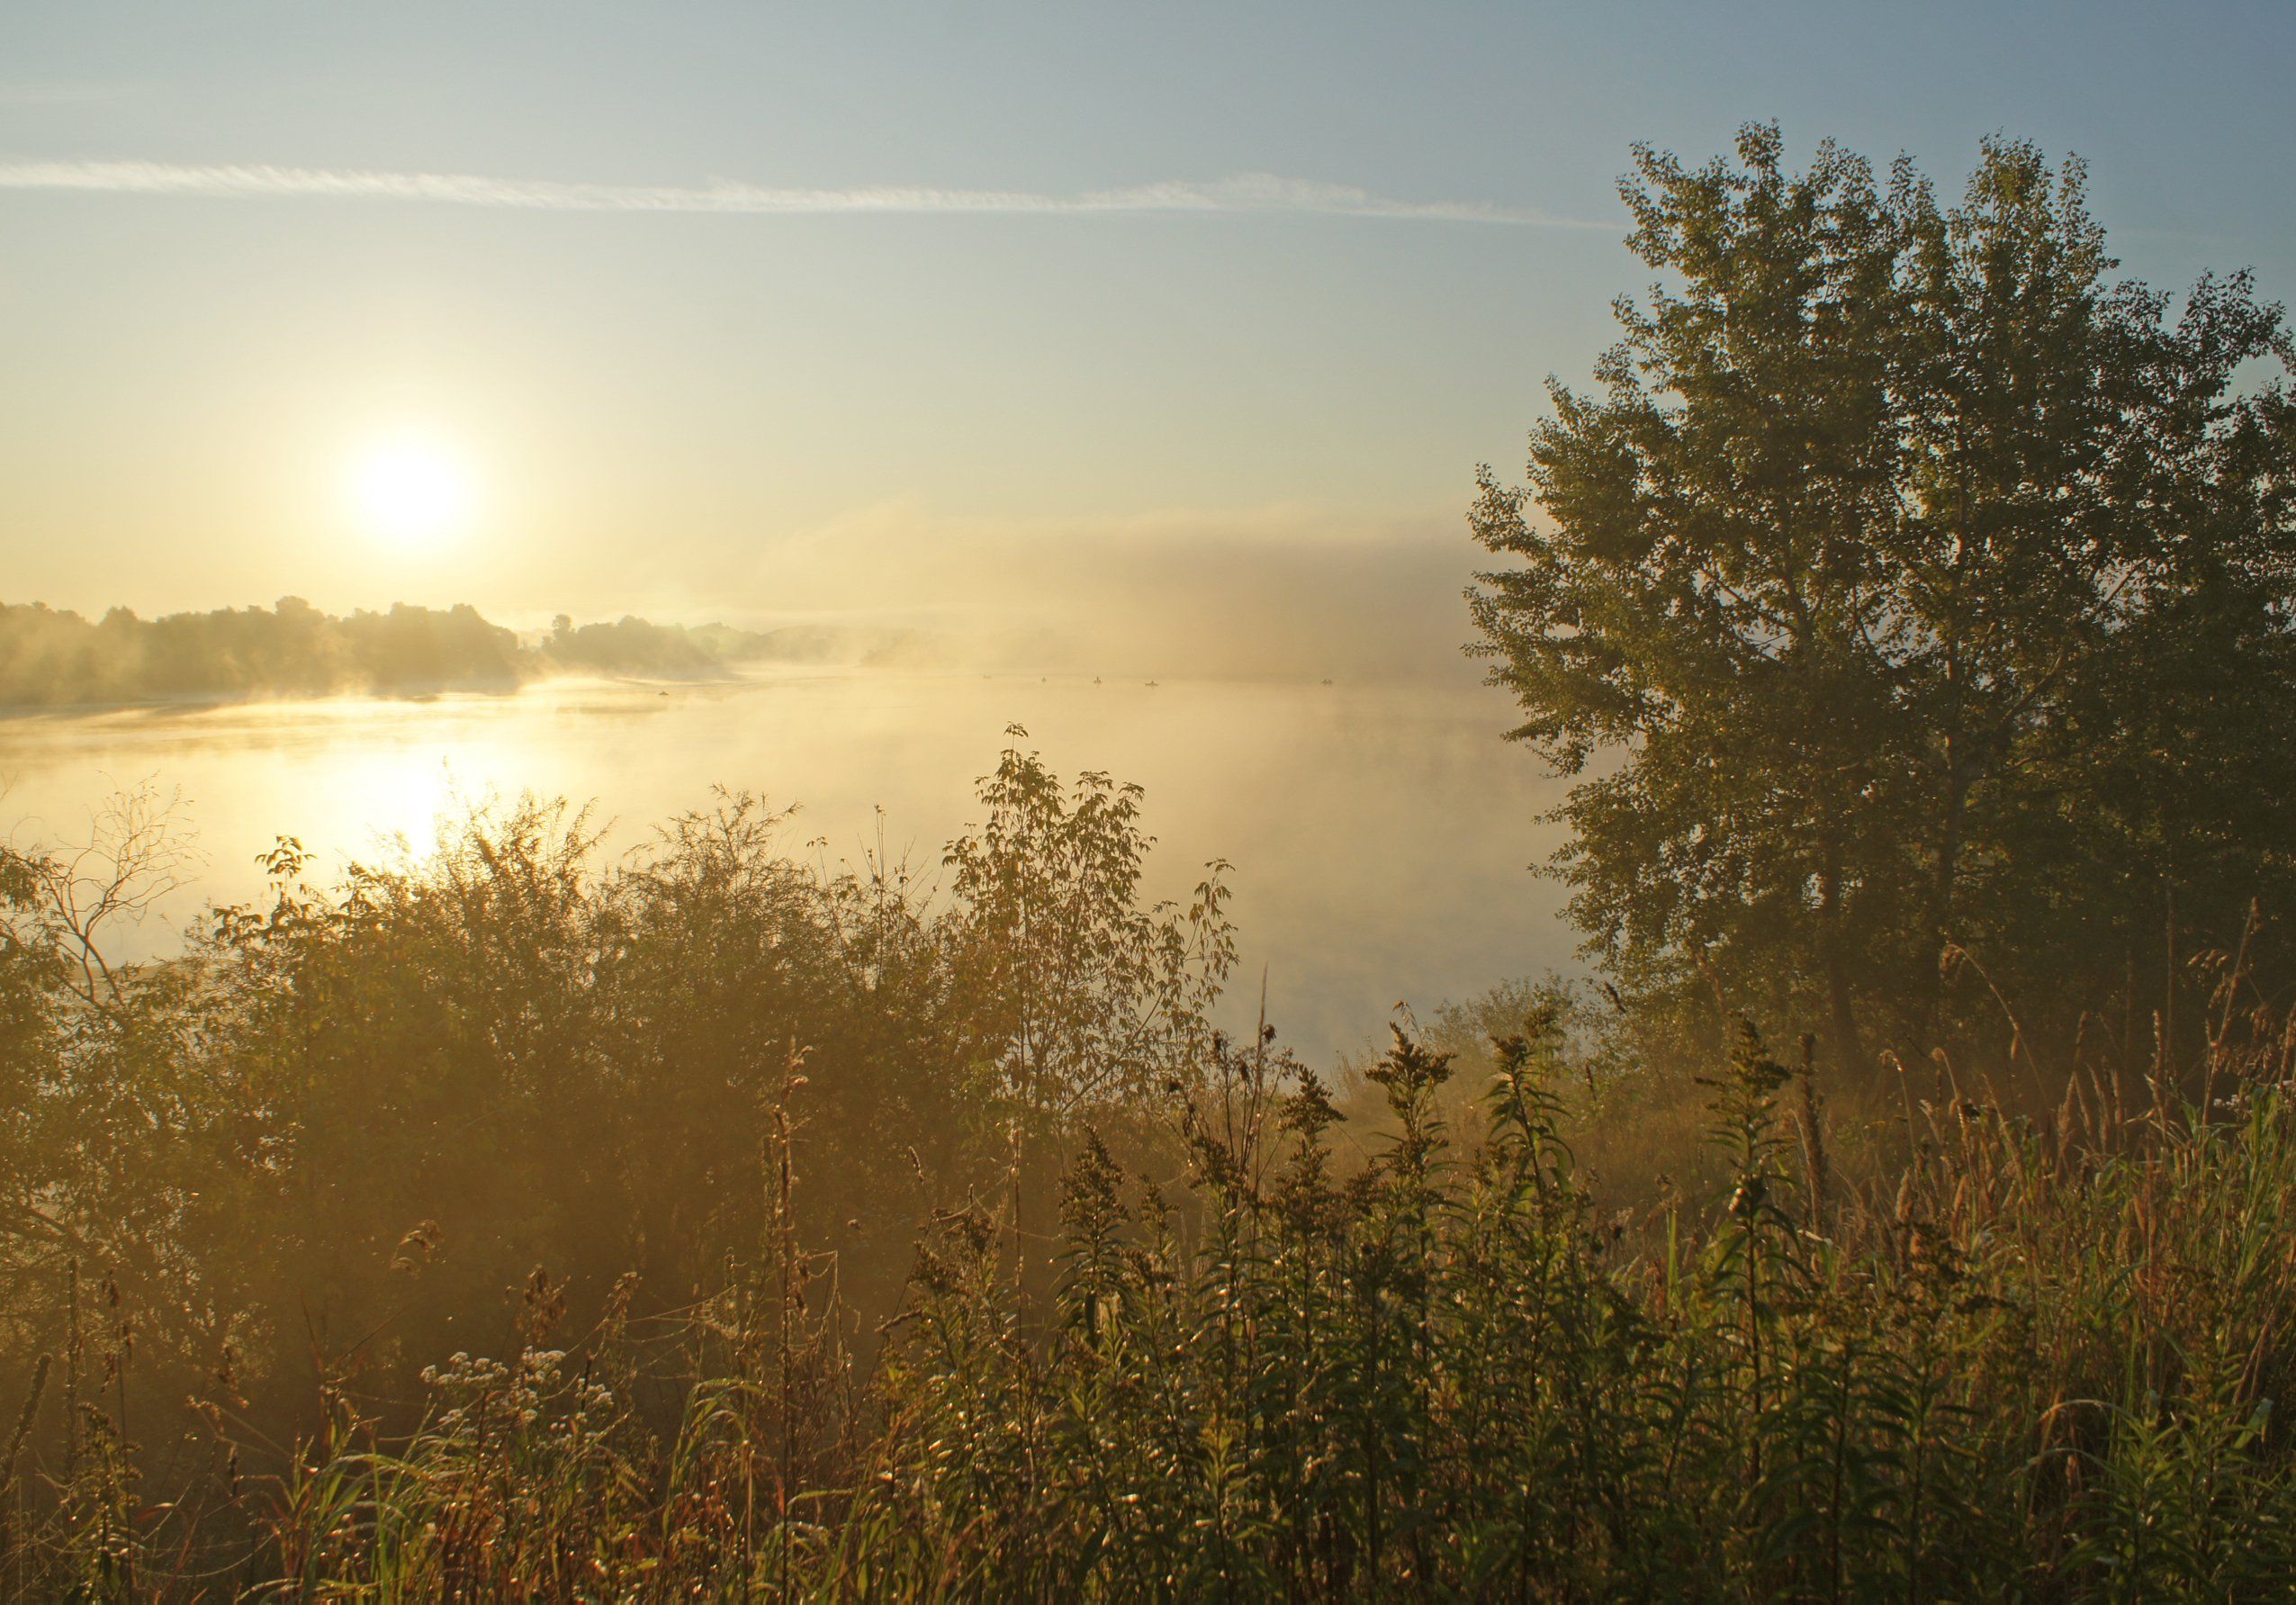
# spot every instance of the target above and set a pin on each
(1381, 835)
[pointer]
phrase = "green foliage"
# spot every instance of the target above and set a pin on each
(2040, 1365)
(1907, 582)
(296, 1175)
(50, 657)
(1095, 996)
(306, 1158)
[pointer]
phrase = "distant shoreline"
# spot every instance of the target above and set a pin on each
(59, 663)
(198, 702)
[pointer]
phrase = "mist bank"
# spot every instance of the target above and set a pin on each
(1270, 593)
(50, 658)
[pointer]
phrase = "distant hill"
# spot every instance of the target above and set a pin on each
(51, 658)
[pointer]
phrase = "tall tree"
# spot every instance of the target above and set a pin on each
(1911, 583)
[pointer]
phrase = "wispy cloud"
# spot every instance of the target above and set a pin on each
(1249, 192)
(63, 94)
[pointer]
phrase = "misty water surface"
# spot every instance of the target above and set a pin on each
(1380, 833)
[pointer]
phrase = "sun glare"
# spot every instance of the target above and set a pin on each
(411, 490)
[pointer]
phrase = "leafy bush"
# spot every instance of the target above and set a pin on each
(685, 1111)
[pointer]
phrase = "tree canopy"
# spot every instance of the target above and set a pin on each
(1909, 588)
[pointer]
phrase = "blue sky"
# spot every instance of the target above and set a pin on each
(698, 412)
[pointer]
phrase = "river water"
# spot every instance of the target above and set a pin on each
(1381, 835)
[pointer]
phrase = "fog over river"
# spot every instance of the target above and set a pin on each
(1381, 835)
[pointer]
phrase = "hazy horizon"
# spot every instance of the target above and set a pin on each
(698, 312)
(1278, 598)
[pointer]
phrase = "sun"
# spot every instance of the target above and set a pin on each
(412, 491)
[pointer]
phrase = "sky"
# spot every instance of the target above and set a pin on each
(755, 311)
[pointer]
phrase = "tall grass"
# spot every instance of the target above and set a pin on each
(1179, 1319)
(2039, 1359)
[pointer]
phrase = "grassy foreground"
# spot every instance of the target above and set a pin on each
(1180, 1320)
(2044, 1362)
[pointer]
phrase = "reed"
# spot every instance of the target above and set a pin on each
(2036, 1363)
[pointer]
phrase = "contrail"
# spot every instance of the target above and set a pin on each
(1249, 192)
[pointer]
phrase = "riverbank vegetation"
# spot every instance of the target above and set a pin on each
(51, 658)
(1909, 585)
(1897, 1210)
(505, 1225)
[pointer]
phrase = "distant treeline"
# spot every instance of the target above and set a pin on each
(50, 658)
